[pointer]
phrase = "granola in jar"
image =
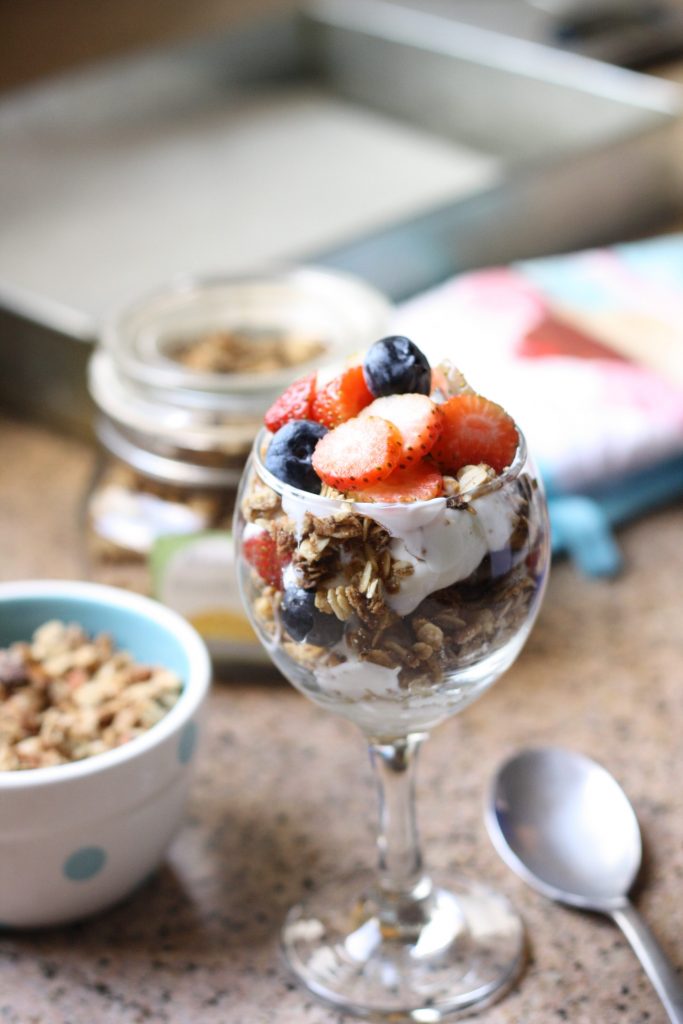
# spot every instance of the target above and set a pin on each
(246, 350)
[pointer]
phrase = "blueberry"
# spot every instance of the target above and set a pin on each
(303, 621)
(289, 454)
(395, 366)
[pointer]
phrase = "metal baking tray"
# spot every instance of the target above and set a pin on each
(386, 141)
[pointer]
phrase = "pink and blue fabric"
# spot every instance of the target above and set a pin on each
(586, 352)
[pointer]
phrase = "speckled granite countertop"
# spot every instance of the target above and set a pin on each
(283, 801)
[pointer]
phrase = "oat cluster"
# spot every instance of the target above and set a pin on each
(66, 696)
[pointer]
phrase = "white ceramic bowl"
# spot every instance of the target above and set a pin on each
(76, 838)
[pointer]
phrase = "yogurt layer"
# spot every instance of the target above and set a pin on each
(370, 696)
(356, 679)
(450, 548)
(443, 545)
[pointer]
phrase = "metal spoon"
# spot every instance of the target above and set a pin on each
(563, 824)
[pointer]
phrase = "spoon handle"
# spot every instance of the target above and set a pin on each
(658, 967)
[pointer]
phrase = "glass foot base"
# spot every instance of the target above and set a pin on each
(462, 950)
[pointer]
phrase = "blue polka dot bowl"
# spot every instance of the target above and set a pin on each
(78, 837)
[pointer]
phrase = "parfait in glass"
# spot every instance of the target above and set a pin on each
(393, 552)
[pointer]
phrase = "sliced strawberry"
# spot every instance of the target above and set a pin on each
(358, 452)
(475, 430)
(341, 398)
(260, 550)
(417, 419)
(293, 404)
(417, 483)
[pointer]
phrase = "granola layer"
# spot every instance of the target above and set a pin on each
(351, 562)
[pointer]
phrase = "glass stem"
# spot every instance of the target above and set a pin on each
(404, 889)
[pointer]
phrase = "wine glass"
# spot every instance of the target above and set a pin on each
(397, 616)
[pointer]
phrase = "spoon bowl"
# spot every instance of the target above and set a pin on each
(562, 823)
(566, 827)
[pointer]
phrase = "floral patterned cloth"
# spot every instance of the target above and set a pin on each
(586, 352)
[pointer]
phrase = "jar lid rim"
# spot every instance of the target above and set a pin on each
(155, 415)
(163, 468)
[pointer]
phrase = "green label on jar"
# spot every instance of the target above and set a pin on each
(195, 574)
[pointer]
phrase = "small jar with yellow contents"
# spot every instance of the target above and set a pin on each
(181, 380)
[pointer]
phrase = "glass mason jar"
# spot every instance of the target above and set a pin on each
(181, 380)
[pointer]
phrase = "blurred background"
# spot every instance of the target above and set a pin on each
(500, 179)
(399, 140)
(42, 37)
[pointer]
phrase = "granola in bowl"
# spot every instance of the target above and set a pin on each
(393, 566)
(65, 696)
